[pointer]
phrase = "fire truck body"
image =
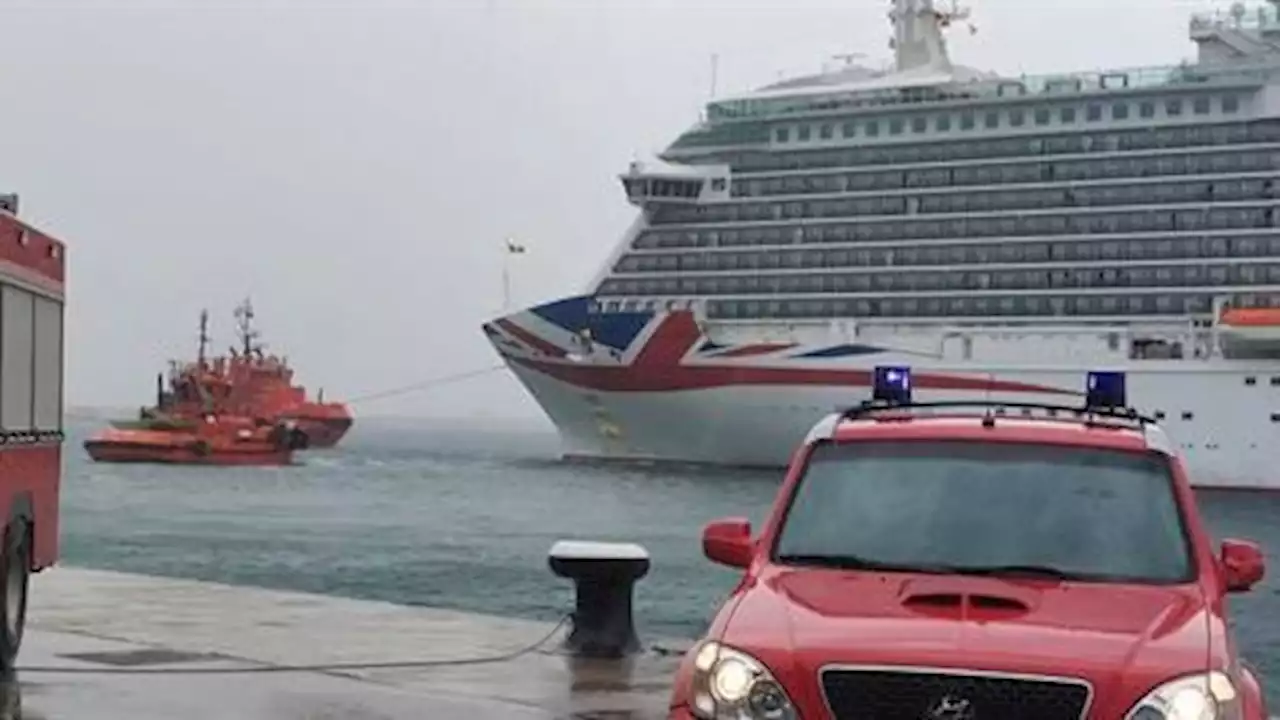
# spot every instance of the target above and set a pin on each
(32, 274)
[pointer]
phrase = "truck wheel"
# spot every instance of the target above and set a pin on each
(15, 576)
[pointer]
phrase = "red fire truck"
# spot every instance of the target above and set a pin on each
(32, 274)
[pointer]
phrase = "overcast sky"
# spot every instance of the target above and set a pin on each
(355, 166)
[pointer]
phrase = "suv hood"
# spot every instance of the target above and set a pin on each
(1099, 632)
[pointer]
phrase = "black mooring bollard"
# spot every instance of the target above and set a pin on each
(605, 575)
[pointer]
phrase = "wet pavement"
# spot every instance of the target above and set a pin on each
(113, 624)
(113, 646)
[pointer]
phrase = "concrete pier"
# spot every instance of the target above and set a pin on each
(103, 620)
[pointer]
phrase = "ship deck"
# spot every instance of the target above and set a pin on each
(94, 621)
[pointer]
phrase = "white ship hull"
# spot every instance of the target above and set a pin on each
(662, 392)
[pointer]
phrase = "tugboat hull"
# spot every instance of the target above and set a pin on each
(322, 432)
(214, 446)
(112, 452)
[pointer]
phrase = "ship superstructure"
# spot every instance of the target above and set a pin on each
(1004, 233)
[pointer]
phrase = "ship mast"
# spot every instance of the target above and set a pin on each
(204, 338)
(918, 41)
(244, 328)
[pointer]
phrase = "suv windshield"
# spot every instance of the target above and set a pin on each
(988, 508)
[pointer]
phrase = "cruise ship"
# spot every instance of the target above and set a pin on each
(1000, 235)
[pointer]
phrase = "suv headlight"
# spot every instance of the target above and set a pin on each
(1206, 696)
(729, 684)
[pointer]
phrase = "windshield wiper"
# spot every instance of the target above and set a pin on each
(1033, 571)
(854, 562)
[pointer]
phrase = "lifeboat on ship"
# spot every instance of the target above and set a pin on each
(1250, 331)
(214, 441)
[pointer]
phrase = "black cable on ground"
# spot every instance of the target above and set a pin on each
(321, 667)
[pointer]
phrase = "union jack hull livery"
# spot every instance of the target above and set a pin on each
(653, 386)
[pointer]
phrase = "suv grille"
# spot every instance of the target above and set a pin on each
(941, 695)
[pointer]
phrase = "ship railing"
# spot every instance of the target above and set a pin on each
(1259, 19)
(1058, 85)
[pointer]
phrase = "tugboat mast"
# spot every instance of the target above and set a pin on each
(204, 338)
(244, 328)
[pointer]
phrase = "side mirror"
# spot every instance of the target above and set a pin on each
(728, 542)
(1243, 565)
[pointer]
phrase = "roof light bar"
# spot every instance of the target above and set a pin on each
(891, 385)
(1105, 390)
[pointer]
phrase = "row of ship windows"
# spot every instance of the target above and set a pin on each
(1148, 193)
(1037, 172)
(1014, 117)
(892, 282)
(1156, 247)
(1201, 219)
(1010, 147)
(962, 121)
(1011, 306)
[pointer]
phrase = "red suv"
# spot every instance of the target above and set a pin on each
(977, 561)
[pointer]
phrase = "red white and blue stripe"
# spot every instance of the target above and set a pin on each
(667, 351)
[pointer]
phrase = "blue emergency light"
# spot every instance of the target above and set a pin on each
(1105, 390)
(892, 385)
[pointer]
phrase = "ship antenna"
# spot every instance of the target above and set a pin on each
(204, 336)
(715, 72)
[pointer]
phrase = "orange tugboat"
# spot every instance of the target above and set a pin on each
(214, 440)
(245, 383)
(193, 424)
